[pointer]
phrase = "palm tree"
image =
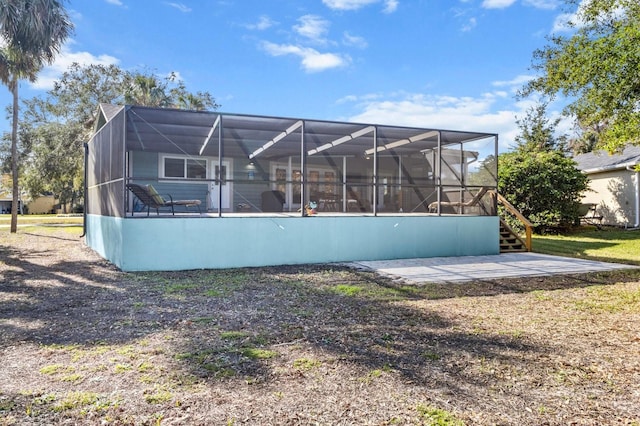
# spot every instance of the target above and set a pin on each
(190, 101)
(147, 90)
(31, 34)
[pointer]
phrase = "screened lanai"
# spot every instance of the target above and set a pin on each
(245, 164)
(374, 191)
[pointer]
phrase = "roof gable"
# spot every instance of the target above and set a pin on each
(105, 113)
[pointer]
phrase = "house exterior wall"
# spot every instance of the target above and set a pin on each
(143, 244)
(615, 194)
(41, 205)
(145, 171)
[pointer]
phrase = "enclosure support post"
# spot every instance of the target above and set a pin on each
(375, 171)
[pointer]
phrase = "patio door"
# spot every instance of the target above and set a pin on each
(220, 184)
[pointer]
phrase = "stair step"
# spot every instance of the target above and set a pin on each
(510, 243)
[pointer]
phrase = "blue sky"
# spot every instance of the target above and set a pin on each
(452, 64)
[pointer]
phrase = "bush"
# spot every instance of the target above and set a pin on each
(545, 186)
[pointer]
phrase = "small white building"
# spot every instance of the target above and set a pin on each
(614, 185)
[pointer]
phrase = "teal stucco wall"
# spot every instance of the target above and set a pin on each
(105, 237)
(142, 244)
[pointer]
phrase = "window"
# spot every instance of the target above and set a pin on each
(183, 168)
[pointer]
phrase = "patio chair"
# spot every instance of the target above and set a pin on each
(148, 196)
(433, 207)
(588, 213)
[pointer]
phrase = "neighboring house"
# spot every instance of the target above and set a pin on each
(40, 205)
(614, 184)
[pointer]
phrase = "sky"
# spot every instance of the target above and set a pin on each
(446, 64)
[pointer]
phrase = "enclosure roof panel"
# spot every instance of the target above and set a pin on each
(197, 133)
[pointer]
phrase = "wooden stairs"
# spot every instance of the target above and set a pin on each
(510, 241)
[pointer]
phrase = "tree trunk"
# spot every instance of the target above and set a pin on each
(14, 155)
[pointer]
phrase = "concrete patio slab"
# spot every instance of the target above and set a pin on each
(470, 268)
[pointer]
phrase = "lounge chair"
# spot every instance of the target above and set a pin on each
(433, 207)
(148, 196)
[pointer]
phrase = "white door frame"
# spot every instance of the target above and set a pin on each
(226, 185)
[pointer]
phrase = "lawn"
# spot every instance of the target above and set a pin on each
(84, 343)
(41, 220)
(607, 244)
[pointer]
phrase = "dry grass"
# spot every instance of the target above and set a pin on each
(82, 343)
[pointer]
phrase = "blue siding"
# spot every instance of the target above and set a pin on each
(145, 164)
(145, 171)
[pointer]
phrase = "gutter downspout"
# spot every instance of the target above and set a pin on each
(637, 194)
(86, 191)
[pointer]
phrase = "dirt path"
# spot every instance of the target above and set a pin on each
(83, 343)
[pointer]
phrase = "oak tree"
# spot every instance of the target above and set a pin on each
(597, 67)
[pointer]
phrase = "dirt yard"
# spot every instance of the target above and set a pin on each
(83, 343)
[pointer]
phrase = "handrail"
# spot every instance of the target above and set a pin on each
(528, 226)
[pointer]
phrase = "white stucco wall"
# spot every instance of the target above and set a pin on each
(615, 194)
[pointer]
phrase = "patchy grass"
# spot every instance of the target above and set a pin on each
(606, 299)
(347, 290)
(158, 396)
(74, 400)
(437, 417)
(214, 284)
(306, 364)
(256, 353)
(233, 335)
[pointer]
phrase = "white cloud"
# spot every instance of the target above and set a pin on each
(516, 82)
(542, 4)
(483, 113)
(264, 23)
(51, 73)
(75, 15)
(562, 23)
(356, 41)
(347, 99)
(312, 27)
(390, 6)
(116, 2)
(471, 24)
(181, 7)
(347, 4)
(497, 4)
(491, 112)
(312, 60)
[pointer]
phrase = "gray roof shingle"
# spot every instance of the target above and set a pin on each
(600, 161)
